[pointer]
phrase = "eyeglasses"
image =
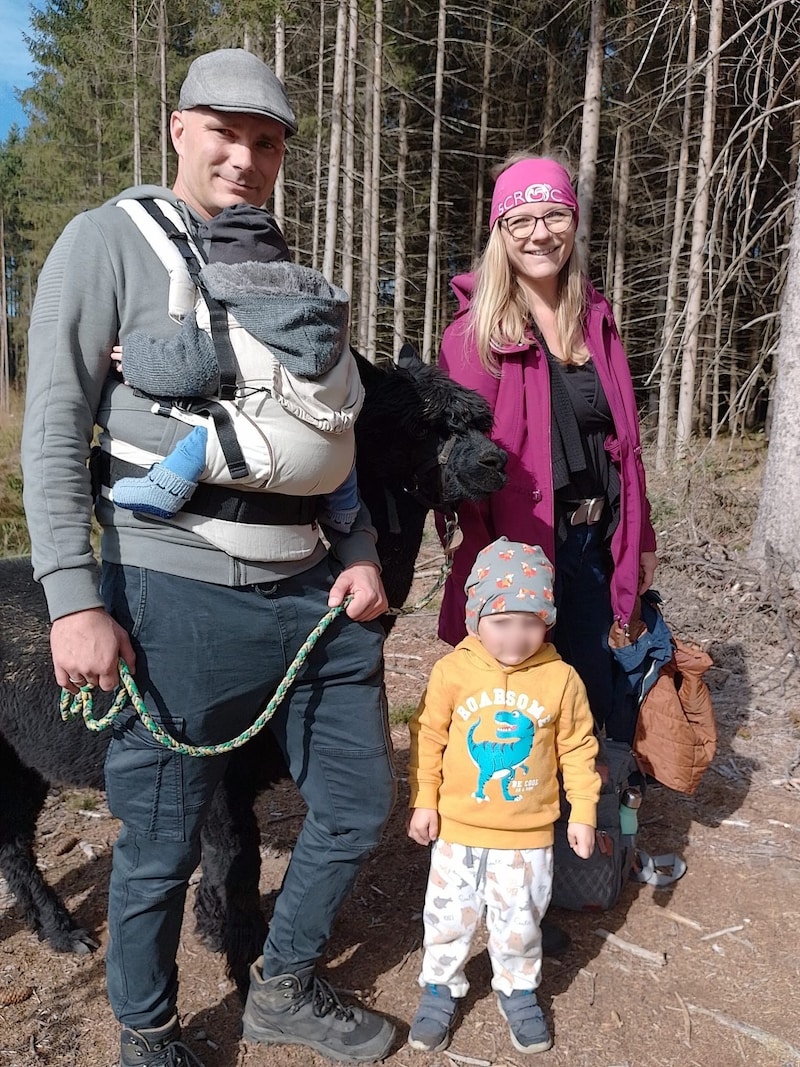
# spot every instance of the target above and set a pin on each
(521, 227)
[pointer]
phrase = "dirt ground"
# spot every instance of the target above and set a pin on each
(723, 988)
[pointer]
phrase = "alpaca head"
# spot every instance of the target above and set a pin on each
(422, 433)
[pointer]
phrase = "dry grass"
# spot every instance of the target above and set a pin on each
(13, 531)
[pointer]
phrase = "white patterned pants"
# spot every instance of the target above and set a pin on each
(513, 886)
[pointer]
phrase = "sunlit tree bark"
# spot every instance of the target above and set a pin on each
(590, 127)
(778, 518)
(335, 147)
(689, 345)
(433, 214)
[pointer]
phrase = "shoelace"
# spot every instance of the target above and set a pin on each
(324, 1000)
(176, 1054)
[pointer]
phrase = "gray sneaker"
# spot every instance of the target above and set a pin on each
(526, 1022)
(287, 1011)
(430, 1030)
(159, 1046)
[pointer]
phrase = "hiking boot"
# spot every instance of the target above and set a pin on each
(159, 1046)
(288, 1011)
(526, 1023)
(430, 1030)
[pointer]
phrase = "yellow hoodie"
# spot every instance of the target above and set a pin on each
(488, 740)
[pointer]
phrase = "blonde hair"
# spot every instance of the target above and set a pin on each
(499, 311)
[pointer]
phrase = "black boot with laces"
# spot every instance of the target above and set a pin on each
(158, 1046)
(288, 1011)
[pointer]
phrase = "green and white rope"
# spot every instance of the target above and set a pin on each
(82, 703)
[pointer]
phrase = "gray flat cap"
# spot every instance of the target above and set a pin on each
(232, 79)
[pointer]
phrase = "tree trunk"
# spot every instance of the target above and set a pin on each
(137, 132)
(590, 129)
(433, 217)
(5, 385)
(665, 389)
(279, 193)
(486, 89)
(366, 225)
(335, 147)
(315, 220)
(162, 88)
(622, 191)
(697, 262)
(349, 174)
(400, 230)
(375, 184)
(778, 519)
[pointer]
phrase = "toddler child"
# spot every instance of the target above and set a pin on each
(501, 716)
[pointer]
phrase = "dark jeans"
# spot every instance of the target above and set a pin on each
(208, 660)
(583, 601)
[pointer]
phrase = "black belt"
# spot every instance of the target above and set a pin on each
(218, 502)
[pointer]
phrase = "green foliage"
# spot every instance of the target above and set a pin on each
(81, 802)
(14, 539)
(402, 714)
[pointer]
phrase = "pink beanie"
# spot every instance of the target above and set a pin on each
(532, 181)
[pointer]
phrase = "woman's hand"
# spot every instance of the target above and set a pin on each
(648, 561)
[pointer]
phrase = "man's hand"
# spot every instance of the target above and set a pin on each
(86, 647)
(423, 825)
(581, 839)
(363, 582)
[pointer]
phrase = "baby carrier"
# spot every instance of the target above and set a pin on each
(287, 436)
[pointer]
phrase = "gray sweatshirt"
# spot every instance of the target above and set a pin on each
(101, 282)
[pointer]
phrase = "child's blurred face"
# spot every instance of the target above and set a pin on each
(511, 636)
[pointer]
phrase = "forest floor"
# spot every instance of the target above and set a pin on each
(724, 991)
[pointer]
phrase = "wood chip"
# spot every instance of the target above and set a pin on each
(466, 1059)
(592, 979)
(665, 913)
(659, 959)
(687, 1019)
(775, 1044)
(720, 933)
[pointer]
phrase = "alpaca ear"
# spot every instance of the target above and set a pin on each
(408, 358)
(367, 372)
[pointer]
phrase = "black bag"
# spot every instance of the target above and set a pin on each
(595, 884)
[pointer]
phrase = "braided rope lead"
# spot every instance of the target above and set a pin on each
(452, 540)
(81, 705)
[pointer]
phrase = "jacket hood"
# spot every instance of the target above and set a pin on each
(463, 285)
(479, 658)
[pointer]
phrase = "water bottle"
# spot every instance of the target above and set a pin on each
(629, 803)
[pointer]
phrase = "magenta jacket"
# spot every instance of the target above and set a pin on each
(523, 510)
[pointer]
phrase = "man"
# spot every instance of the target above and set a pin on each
(208, 633)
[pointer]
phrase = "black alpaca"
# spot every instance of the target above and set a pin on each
(421, 444)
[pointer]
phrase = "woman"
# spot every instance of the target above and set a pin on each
(535, 338)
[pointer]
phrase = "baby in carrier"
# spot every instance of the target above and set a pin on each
(296, 377)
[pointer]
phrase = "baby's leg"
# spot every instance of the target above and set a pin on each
(168, 485)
